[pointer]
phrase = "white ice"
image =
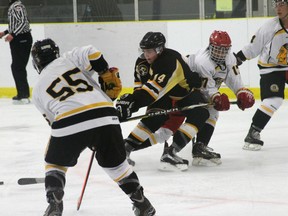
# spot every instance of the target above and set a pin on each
(246, 184)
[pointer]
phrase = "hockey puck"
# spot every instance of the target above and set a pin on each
(1, 183)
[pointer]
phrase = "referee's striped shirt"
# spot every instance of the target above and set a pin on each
(18, 20)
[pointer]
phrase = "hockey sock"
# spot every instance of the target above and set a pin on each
(260, 119)
(130, 184)
(205, 134)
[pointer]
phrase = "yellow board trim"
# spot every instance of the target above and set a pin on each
(11, 92)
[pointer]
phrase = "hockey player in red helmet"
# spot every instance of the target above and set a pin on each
(216, 65)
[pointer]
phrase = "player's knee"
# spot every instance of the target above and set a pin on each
(272, 103)
(198, 116)
(119, 172)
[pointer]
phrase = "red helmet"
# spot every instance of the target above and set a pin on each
(219, 46)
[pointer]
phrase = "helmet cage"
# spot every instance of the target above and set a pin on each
(276, 3)
(218, 53)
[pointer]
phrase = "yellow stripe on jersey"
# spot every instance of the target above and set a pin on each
(94, 56)
(281, 31)
(266, 65)
(177, 77)
(84, 108)
(137, 84)
(151, 91)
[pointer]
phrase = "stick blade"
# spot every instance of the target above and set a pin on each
(27, 181)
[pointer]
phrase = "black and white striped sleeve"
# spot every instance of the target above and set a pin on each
(18, 20)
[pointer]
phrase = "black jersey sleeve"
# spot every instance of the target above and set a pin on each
(142, 98)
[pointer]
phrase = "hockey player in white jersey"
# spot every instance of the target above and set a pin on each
(81, 115)
(270, 44)
(216, 65)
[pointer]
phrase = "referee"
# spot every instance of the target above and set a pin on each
(19, 36)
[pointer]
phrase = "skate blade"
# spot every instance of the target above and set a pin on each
(252, 147)
(169, 167)
(205, 162)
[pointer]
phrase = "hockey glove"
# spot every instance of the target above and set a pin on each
(125, 106)
(195, 80)
(111, 83)
(221, 102)
(239, 57)
(245, 98)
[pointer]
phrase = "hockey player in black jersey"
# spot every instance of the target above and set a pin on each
(169, 79)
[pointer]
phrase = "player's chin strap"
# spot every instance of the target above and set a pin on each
(158, 112)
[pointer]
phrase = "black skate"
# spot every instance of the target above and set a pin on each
(203, 155)
(55, 207)
(129, 149)
(170, 161)
(141, 205)
(253, 141)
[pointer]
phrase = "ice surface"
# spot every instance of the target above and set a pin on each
(246, 184)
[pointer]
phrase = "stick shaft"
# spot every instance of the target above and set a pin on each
(164, 112)
(168, 111)
(85, 181)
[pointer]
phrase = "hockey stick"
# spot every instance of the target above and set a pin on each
(27, 181)
(85, 181)
(168, 111)
(165, 112)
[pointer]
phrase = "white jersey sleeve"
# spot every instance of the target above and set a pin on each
(214, 75)
(233, 79)
(270, 43)
(81, 56)
(258, 42)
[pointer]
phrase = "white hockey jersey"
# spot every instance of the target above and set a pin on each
(68, 96)
(214, 75)
(270, 43)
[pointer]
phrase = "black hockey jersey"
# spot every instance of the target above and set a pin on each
(169, 75)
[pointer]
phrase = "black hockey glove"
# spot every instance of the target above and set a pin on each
(195, 80)
(239, 57)
(125, 106)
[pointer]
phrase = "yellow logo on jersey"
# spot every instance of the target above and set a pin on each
(282, 55)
